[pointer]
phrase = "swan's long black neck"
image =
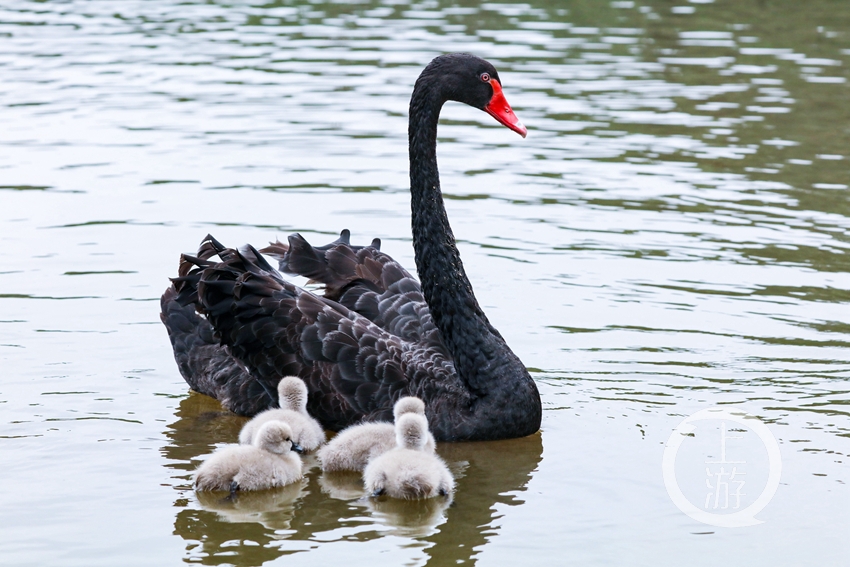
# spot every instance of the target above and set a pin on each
(479, 352)
(502, 400)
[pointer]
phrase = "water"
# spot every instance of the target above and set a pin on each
(672, 235)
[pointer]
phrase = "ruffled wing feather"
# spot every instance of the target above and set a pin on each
(354, 369)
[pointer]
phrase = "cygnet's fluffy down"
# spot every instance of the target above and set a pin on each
(355, 446)
(409, 471)
(292, 399)
(268, 463)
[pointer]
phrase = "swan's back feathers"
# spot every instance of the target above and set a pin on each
(363, 279)
(354, 369)
(335, 265)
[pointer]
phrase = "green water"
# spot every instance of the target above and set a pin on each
(672, 235)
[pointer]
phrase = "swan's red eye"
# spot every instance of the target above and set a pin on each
(485, 77)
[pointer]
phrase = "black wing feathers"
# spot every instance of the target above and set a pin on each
(353, 368)
(206, 366)
(366, 281)
(357, 355)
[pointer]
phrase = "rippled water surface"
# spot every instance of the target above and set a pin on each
(672, 235)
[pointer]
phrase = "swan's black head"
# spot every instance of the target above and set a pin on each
(471, 80)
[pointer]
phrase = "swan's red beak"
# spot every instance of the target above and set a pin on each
(499, 109)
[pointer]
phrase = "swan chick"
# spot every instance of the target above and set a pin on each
(409, 472)
(356, 445)
(412, 404)
(292, 399)
(268, 463)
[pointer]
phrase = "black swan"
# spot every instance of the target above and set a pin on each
(375, 335)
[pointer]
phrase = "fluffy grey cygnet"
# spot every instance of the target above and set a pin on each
(292, 398)
(409, 471)
(268, 463)
(355, 446)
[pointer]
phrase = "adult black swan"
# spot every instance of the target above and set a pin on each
(376, 334)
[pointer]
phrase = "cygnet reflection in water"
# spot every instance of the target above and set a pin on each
(273, 508)
(342, 485)
(410, 518)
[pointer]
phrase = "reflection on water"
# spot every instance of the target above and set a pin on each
(411, 518)
(673, 234)
(271, 508)
(342, 485)
(333, 507)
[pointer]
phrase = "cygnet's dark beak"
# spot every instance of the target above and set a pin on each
(297, 448)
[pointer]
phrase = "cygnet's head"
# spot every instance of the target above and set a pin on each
(292, 394)
(276, 437)
(411, 430)
(408, 404)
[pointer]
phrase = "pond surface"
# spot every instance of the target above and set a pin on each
(671, 236)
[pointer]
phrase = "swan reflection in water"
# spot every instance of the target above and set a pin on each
(411, 518)
(273, 508)
(342, 485)
(252, 529)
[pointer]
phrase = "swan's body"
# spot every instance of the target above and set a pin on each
(268, 463)
(292, 397)
(377, 334)
(355, 446)
(408, 471)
